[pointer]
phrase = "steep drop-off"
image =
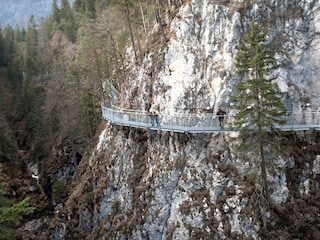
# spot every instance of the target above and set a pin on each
(141, 184)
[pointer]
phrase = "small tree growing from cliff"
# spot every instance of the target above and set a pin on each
(11, 215)
(258, 105)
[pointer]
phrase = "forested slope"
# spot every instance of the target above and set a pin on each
(52, 76)
(89, 179)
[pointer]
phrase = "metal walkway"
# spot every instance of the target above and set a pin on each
(198, 123)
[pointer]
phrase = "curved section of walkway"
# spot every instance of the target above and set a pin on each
(198, 123)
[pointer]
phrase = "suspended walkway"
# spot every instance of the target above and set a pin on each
(198, 123)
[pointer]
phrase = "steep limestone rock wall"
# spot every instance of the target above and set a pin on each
(195, 68)
(153, 185)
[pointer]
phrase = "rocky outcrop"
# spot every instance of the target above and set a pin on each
(153, 185)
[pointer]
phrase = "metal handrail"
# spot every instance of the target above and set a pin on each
(126, 110)
(199, 122)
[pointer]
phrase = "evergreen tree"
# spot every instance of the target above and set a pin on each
(126, 6)
(33, 62)
(91, 9)
(13, 60)
(79, 6)
(56, 15)
(11, 215)
(53, 20)
(85, 8)
(258, 105)
(3, 61)
(69, 25)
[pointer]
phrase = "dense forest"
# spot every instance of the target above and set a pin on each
(55, 74)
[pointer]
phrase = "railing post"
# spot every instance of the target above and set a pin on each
(171, 121)
(188, 123)
(202, 122)
(175, 119)
(291, 117)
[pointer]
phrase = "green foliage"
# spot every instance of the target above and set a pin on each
(32, 38)
(35, 122)
(11, 215)
(86, 8)
(77, 48)
(20, 35)
(8, 45)
(56, 15)
(35, 101)
(89, 106)
(8, 144)
(2, 53)
(13, 61)
(115, 206)
(59, 191)
(55, 121)
(16, 77)
(258, 104)
(88, 198)
(14, 214)
(68, 25)
(33, 63)
(62, 19)
(70, 31)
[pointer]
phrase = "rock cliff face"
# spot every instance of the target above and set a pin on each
(154, 185)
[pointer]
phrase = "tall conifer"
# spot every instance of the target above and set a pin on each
(258, 105)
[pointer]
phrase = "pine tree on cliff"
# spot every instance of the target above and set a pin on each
(11, 215)
(258, 105)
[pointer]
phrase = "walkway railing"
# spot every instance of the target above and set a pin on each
(202, 122)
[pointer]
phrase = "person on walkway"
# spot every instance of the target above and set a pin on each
(157, 119)
(221, 115)
(152, 117)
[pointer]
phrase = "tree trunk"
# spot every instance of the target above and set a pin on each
(74, 159)
(143, 18)
(97, 63)
(130, 29)
(265, 191)
(158, 18)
